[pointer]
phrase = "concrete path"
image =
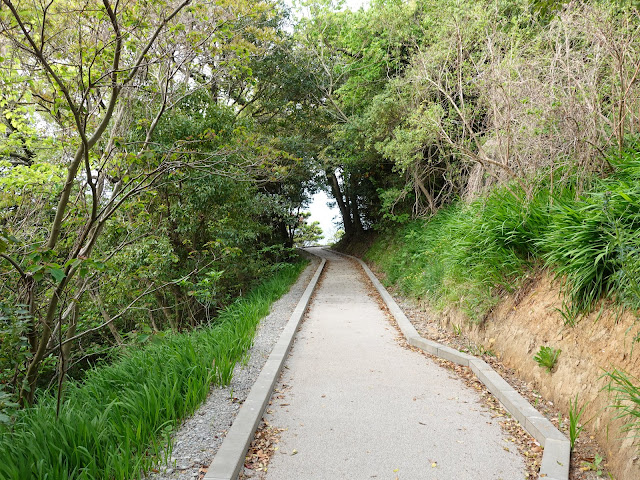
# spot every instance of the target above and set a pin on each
(357, 405)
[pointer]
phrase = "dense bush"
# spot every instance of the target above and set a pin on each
(593, 243)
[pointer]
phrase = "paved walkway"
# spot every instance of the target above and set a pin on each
(356, 405)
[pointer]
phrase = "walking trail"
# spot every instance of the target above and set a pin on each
(355, 404)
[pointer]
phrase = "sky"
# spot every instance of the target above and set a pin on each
(324, 214)
(319, 209)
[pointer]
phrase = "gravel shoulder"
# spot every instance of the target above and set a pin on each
(197, 440)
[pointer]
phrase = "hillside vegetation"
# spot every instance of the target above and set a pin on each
(157, 158)
(469, 252)
(117, 422)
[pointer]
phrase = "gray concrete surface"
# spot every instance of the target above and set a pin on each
(557, 451)
(356, 405)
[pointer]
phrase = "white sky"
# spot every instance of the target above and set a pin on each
(356, 4)
(322, 213)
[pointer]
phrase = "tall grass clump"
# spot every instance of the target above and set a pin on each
(467, 254)
(116, 423)
(593, 242)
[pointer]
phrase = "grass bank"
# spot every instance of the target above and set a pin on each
(116, 423)
(467, 254)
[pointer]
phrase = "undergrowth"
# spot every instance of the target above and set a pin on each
(467, 255)
(116, 423)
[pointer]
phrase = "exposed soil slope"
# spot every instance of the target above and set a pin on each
(529, 318)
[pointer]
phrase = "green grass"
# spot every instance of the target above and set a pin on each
(469, 254)
(625, 390)
(459, 256)
(115, 424)
(575, 420)
(593, 244)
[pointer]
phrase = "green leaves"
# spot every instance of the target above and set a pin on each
(6, 239)
(56, 272)
(575, 420)
(547, 357)
(110, 423)
(8, 407)
(625, 389)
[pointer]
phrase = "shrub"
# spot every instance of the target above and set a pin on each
(593, 243)
(467, 254)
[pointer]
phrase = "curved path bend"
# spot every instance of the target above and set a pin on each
(356, 405)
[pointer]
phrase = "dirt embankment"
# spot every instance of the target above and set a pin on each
(529, 318)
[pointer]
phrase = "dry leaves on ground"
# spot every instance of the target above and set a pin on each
(584, 464)
(264, 445)
(517, 436)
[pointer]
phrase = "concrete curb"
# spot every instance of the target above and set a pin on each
(557, 451)
(229, 459)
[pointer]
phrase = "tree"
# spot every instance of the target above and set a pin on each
(101, 88)
(305, 233)
(353, 55)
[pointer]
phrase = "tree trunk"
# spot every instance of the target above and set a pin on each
(166, 310)
(342, 205)
(355, 212)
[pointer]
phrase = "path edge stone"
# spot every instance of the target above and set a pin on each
(557, 451)
(229, 458)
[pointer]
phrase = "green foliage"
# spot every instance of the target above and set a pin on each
(415, 259)
(8, 407)
(467, 253)
(547, 357)
(427, 101)
(575, 417)
(462, 253)
(116, 423)
(593, 243)
(169, 180)
(14, 346)
(625, 389)
(308, 234)
(595, 465)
